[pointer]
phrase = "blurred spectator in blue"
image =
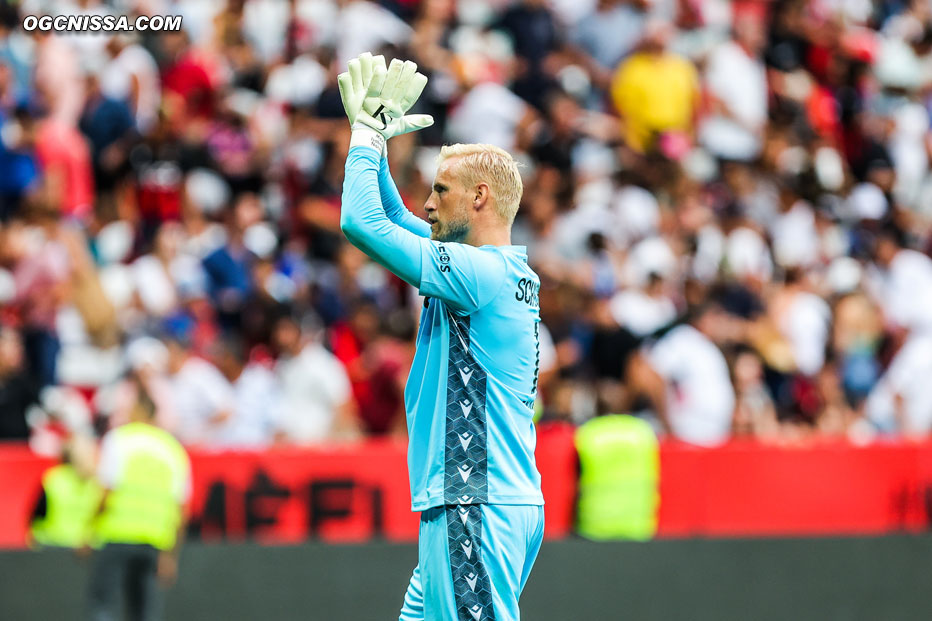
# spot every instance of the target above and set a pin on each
(109, 126)
(229, 268)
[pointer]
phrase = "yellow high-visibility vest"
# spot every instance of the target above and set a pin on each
(71, 503)
(619, 462)
(143, 506)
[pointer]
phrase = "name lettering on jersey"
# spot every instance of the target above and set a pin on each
(471, 580)
(465, 471)
(466, 407)
(528, 292)
(444, 258)
(465, 439)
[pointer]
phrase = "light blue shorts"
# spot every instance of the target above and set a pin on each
(473, 562)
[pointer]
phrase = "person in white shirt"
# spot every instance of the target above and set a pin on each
(903, 285)
(686, 378)
(318, 402)
(901, 401)
(202, 398)
(736, 81)
(257, 412)
(131, 75)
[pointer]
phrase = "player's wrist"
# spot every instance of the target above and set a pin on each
(365, 136)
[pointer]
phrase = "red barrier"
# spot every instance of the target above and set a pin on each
(829, 488)
(343, 493)
(359, 492)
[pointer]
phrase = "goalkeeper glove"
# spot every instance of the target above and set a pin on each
(388, 96)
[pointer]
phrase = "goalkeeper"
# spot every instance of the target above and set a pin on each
(470, 394)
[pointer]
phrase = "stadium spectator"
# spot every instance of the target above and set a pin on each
(202, 398)
(656, 92)
(257, 412)
(686, 378)
(318, 403)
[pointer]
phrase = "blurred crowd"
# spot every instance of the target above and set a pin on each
(728, 203)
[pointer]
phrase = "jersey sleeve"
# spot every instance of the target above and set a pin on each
(395, 208)
(465, 277)
(364, 222)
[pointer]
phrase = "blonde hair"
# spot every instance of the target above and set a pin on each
(485, 163)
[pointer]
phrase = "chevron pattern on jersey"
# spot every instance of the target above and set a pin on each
(472, 588)
(466, 458)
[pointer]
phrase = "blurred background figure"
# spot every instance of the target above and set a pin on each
(318, 404)
(146, 477)
(64, 515)
(619, 478)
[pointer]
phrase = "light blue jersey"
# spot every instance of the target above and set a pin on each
(470, 394)
(469, 401)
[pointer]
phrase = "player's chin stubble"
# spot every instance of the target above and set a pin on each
(455, 231)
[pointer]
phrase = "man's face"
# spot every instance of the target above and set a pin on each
(448, 205)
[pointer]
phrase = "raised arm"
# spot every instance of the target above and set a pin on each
(366, 224)
(394, 207)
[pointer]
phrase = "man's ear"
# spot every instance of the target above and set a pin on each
(480, 195)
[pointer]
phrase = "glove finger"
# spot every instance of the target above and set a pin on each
(414, 90)
(347, 95)
(407, 73)
(391, 79)
(365, 66)
(378, 80)
(379, 61)
(414, 122)
(355, 71)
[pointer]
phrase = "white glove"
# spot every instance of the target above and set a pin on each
(363, 71)
(387, 97)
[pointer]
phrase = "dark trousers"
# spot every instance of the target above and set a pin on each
(122, 570)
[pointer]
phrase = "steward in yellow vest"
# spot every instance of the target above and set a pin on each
(146, 477)
(619, 464)
(70, 498)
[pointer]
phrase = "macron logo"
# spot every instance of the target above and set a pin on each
(466, 374)
(466, 406)
(465, 439)
(476, 612)
(465, 500)
(467, 548)
(464, 514)
(471, 581)
(465, 472)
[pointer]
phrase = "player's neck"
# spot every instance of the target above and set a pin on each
(480, 236)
